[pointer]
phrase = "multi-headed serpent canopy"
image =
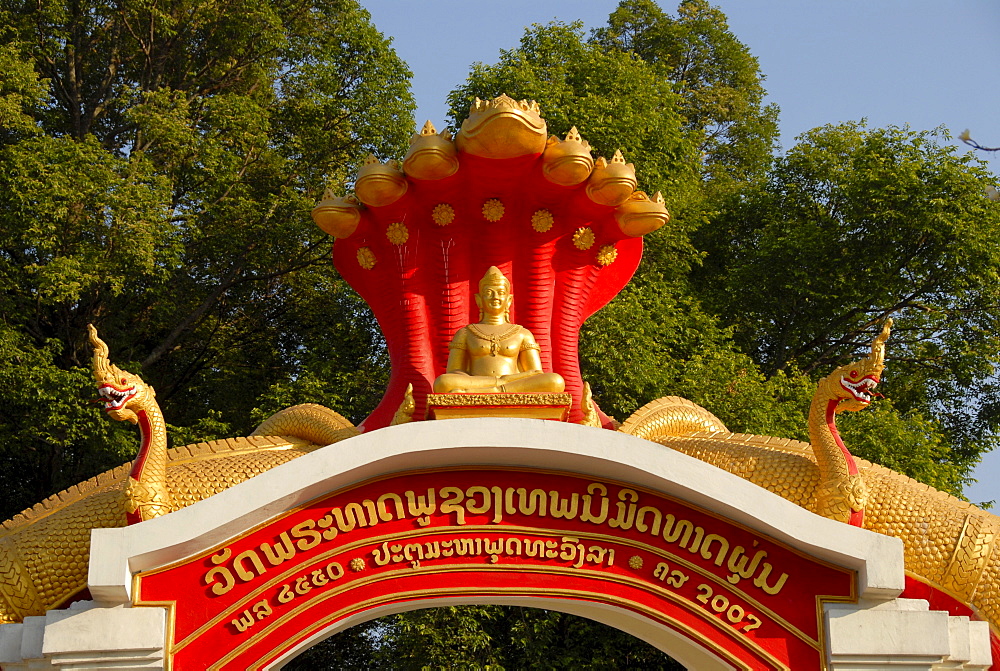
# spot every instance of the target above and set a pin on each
(415, 239)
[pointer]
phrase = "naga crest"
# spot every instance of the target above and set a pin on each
(415, 239)
(120, 390)
(854, 383)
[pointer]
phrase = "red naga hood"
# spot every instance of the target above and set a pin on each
(566, 231)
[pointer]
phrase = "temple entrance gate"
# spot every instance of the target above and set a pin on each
(715, 571)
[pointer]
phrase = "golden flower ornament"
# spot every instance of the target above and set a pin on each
(493, 210)
(607, 255)
(397, 233)
(542, 220)
(583, 238)
(366, 258)
(443, 214)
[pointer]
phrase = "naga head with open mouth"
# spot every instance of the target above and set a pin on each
(854, 384)
(120, 390)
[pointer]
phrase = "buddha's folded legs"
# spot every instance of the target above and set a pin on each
(517, 383)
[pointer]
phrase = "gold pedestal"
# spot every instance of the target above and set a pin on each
(534, 406)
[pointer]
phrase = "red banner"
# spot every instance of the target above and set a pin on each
(480, 533)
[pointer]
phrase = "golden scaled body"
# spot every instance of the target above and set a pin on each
(948, 543)
(44, 551)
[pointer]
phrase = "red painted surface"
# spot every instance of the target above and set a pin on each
(145, 433)
(421, 292)
(857, 518)
(479, 539)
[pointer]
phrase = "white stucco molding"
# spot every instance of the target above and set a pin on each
(116, 554)
(903, 634)
(85, 636)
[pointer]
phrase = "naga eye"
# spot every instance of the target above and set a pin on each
(854, 373)
(123, 379)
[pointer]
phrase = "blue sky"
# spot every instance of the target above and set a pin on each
(919, 62)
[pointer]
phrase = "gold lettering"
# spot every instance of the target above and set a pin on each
(383, 507)
(677, 579)
(761, 580)
(284, 552)
(572, 551)
(381, 555)
(661, 571)
(326, 522)
(676, 533)
(421, 507)
(245, 622)
(626, 513)
(738, 564)
(262, 609)
(640, 522)
(561, 508)
(453, 505)
(310, 538)
(497, 504)
(696, 543)
(509, 501)
(471, 506)
(335, 570)
(254, 558)
(413, 551)
(286, 594)
(529, 504)
(706, 548)
(586, 515)
(228, 582)
(354, 515)
(432, 550)
(221, 556)
(535, 548)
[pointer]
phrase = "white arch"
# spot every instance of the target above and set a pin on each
(117, 554)
(678, 646)
(919, 638)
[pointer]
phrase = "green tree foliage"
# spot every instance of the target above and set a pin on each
(855, 225)
(797, 258)
(719, 81)
(580, 83)
(487, 638)
(157, 166)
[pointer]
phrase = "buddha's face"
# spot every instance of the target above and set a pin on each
(494, 298)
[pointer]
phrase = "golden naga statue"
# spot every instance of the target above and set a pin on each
(948, 544)
(128, 398)
(495, 355)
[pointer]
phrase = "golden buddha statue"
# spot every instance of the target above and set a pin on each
(494, 355)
